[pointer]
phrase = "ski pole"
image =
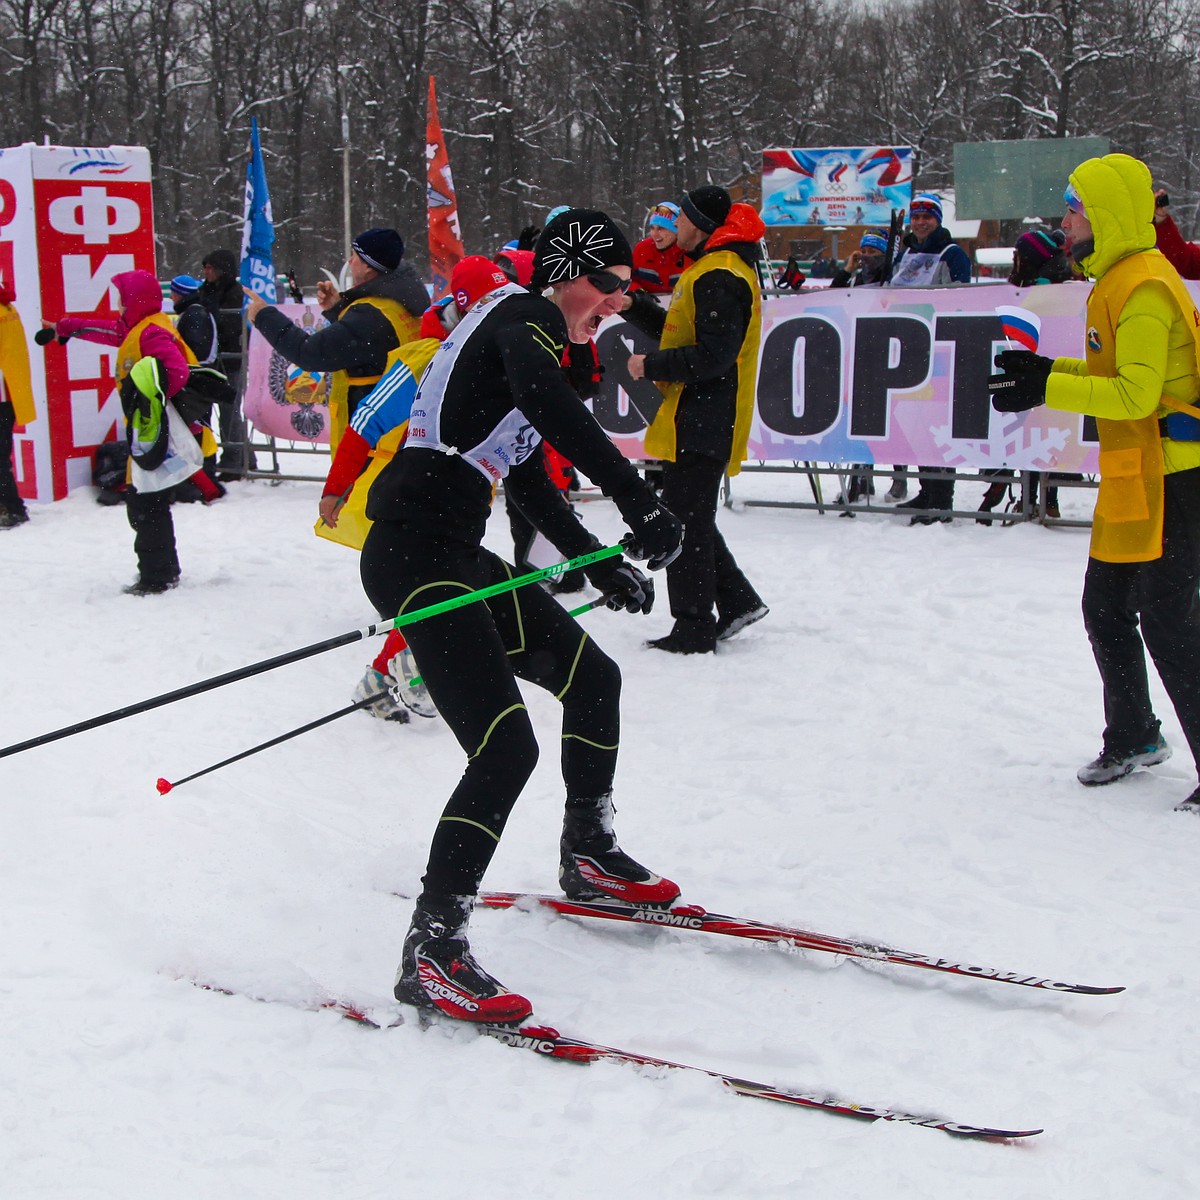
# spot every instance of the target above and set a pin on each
(343, 639)
(165, 785)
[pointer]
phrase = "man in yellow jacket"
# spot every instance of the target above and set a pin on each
(706, 367)
(16, 405)
(1140, 378)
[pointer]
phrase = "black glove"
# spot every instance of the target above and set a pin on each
(1023, 383)
(656, 532)
(44, 337)
(623, 585)
(1023, 362)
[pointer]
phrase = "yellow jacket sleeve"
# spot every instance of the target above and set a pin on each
(1147, 359)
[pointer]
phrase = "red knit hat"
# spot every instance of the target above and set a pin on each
(473, 277)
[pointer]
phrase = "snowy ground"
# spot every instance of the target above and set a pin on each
(891, 754)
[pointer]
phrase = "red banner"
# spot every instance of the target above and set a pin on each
(445, 237)
(70, 219)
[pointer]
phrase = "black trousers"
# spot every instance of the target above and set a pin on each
(10, 498)
(705, 576)
(1163, 593)
(149, 515)
(470, 660)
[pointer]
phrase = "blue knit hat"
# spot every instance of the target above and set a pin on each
(876, 239)
(185, 285)
(664, 216)
(929, 202)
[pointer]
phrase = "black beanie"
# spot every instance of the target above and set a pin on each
(706, 207)
(223, 261)
(575, 242)
(380, 249)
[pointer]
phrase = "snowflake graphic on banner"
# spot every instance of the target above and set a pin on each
(572, 254)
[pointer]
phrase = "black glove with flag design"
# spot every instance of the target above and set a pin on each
(1022, 385)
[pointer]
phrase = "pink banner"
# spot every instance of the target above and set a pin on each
(887, 375)
(281, 400)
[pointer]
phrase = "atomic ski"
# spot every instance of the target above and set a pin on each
(690, 916)
(550, 1043)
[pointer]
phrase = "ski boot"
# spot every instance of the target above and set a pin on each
(386, 707)
(439, 973)
(414, 697)
(593, 867)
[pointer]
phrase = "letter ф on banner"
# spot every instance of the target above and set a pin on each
(83, 216)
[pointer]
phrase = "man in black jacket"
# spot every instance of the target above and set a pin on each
(221, 294)
(379, 312)
(708, 362)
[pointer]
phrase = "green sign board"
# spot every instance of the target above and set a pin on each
(1002, 180)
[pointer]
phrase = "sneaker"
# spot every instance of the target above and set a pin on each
(593, 867)
(386, 707)
(414, 697)
(1112, 765)
(150, 587)
(439, 973)
(1191, 804)
(728, 626)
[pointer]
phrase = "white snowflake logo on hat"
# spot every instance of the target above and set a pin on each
(573, 253)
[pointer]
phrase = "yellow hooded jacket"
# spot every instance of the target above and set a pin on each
(15, 382)
(1143, 351)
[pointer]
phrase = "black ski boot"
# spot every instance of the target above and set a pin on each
(438, 971)
(593, 867)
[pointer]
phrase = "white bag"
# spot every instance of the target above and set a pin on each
(184, 458)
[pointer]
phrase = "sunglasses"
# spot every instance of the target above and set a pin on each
(921, 210)
(1072, 200)
(607, 282)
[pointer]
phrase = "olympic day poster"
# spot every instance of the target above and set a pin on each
(835, 185)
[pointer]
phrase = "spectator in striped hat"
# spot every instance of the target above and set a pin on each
(1038, 257)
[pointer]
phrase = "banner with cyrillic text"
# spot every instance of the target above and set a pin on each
(884, 375)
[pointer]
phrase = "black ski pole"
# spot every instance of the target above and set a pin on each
(282, 660)
(165, 785)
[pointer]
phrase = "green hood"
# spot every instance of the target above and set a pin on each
(1118, 196)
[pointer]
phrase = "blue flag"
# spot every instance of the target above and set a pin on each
(258, 229)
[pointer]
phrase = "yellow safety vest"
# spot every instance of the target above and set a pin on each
(353, 523)
(680, 330)
(407, 329)
(1128, 522)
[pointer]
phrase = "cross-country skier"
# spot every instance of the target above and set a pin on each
(494, 389)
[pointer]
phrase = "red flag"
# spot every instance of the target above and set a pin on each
(445, 238)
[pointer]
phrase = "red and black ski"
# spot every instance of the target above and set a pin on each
(690, 916)
(551, 1044)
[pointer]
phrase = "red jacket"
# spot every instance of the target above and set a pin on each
(1183, 256)
(656, 270)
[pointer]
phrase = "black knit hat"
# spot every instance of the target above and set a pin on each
(706, 207)
(223, 261)
(575, 242)
(380, 249)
